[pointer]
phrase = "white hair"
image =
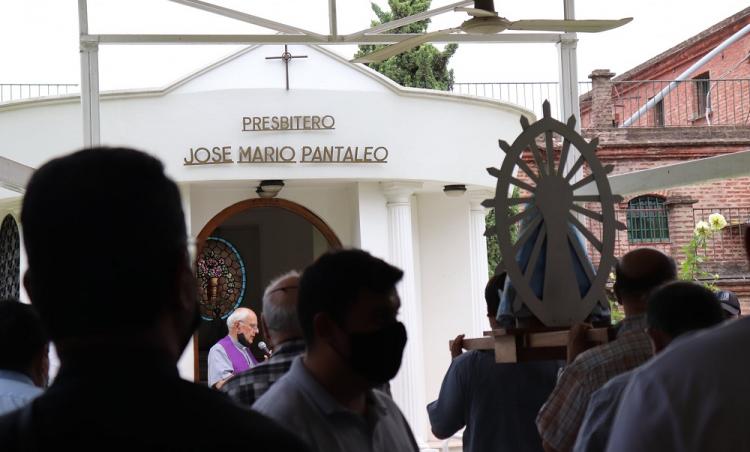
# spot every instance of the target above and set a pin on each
(279, 313)
(238, 315)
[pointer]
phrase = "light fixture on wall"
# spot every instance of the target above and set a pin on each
(454, 190)
(269, 188)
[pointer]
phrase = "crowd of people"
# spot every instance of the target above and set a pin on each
(121, 306)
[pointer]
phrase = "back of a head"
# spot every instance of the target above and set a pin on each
(280, 304)
(641, 271)
(730, 303)
(334, 282)
(492, 293)
(105, 237)
(22, 337)
(679, 307)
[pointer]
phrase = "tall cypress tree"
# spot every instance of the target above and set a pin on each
(421, 67)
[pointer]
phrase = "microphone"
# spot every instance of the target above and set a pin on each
(264, 348)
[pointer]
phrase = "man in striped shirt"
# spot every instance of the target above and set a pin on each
(281, 324)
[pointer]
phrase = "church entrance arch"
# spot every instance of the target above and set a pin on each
(240, 250)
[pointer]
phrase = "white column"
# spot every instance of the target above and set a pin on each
(478, 265)
(569, 104)
(186, 363)
(408, 386)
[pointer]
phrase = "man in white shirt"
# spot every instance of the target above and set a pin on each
(693, 397)
(232, 355)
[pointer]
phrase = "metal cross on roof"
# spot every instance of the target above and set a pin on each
(286, 57)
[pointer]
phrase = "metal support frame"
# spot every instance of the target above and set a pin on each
(568, 64)
(677, 175)
(13, 175)
(288, 34)
(384, 38)
(333, 26)
(89, 44)
(89, 81)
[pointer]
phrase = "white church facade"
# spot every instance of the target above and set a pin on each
(362, 161)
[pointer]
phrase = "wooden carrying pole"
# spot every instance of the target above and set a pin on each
(514, 345)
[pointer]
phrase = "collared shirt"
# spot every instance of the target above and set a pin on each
(561, 416)
(692, 397)
(496, 402)
(220, 366)
(248, 386)
(16, 390)
(600, 413)
(299, 403)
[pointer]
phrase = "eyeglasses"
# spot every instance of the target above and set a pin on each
(251, 325)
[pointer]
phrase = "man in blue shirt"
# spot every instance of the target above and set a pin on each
(23, 355)
(496, 402)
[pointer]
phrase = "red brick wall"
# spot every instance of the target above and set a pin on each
(730, 101)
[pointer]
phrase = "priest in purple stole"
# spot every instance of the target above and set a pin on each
(232, 355)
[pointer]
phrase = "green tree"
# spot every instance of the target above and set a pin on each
(421, 67)
(493, 248)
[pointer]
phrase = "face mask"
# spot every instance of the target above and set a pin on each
(377, 355)
(243, 340)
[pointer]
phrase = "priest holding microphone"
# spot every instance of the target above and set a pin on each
(232, 355)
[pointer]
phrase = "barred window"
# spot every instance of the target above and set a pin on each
(647, 220)
(702, 86)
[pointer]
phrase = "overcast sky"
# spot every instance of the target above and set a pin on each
(38, 38)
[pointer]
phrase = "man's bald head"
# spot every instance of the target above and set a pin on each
(280, 306)
(641, 271)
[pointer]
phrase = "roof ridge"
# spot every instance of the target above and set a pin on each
(684, 44)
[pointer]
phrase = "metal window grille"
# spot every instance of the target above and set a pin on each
(659, 114)
(702, 85)
(647, 220)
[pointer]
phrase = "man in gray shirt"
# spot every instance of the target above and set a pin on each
(347, 310)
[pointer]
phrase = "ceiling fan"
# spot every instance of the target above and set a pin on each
(485, 20)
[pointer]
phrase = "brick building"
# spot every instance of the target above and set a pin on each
(706, 115)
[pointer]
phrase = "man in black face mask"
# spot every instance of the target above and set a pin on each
(347, 310)
(110, 277)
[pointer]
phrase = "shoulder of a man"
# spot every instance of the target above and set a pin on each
(561, 416)
(603, 362)
(466, 362)
(283, 401)
(661, 402)
(600, 413)
(216, 348)
(249, 427)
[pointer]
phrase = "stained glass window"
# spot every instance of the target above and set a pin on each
(221, 279)
(10, 259)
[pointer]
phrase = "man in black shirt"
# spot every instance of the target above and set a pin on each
(110, 277)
